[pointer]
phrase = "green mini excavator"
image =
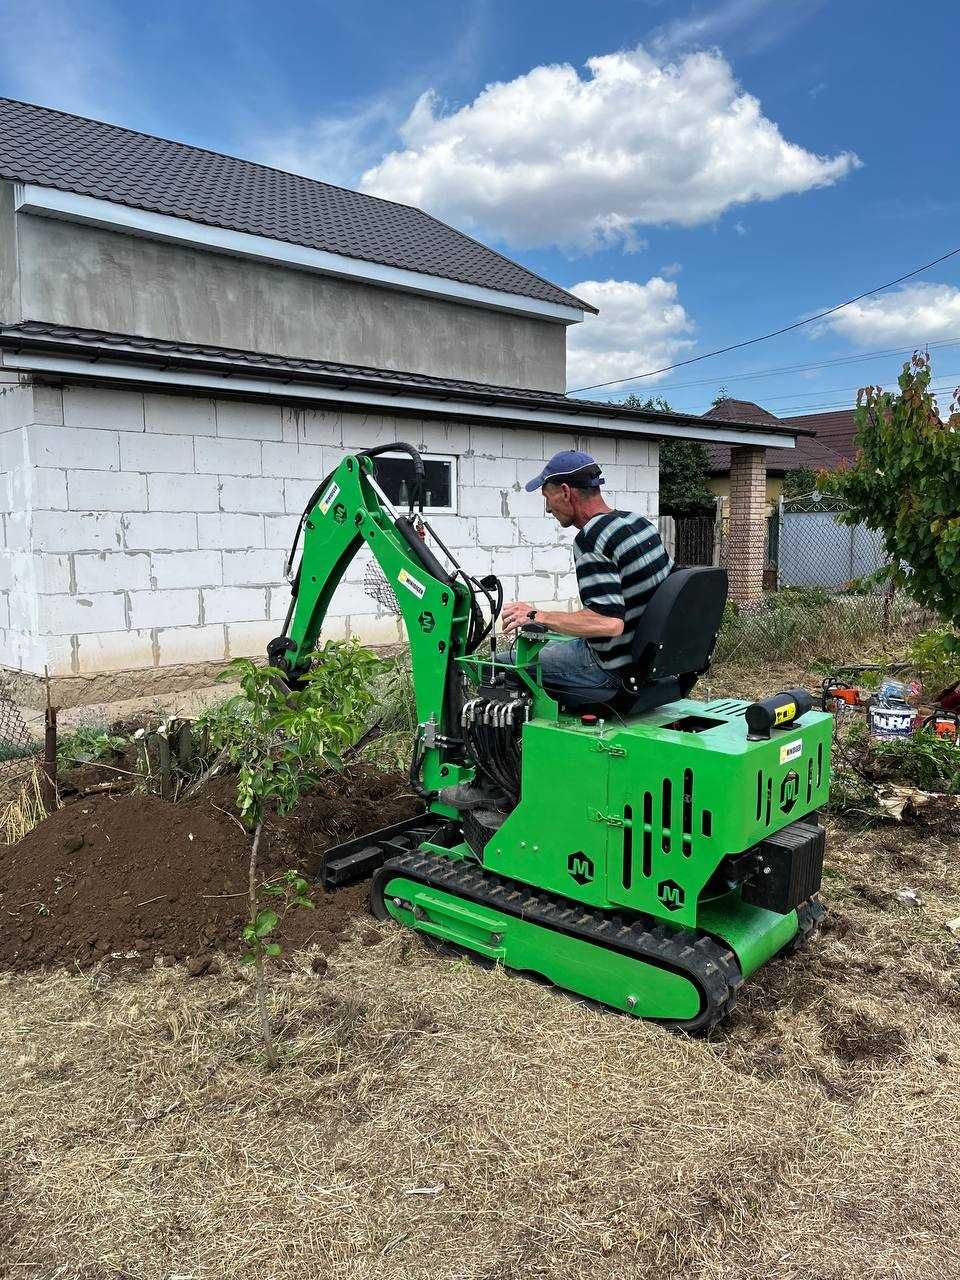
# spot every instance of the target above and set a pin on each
(649, 854)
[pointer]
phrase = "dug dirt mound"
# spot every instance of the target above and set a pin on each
(141, 877)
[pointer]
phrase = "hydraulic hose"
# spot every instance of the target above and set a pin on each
(419, 474)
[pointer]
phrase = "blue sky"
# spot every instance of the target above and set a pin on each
(705, 172)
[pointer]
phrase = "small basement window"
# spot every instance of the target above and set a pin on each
(394, 473)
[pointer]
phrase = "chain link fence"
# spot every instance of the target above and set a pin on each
(824, 590)
(21, 753)
(807, 545)
(816, 549)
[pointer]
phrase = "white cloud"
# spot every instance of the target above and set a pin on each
(640, 327)
(333, 148)
(752, 25)
(740, 228)
(555, 158)
(912, 314)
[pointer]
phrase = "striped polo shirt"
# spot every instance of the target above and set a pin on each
(620, 562)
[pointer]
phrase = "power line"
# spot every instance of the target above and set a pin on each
(943, 394)
(780, 370)
(775, 333)
(943, 381)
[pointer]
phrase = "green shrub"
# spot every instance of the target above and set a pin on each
(88, 742)
(903, 483)
(279, 742)
(926, 761)
(935, 655)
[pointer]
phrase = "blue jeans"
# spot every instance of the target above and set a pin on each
(571, 673)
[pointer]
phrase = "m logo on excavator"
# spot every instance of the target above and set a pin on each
(580, 867)
(789, 791)
(670, 894)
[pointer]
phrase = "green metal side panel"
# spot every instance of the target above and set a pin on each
(556, 838)
(692, 798)
(640, 814)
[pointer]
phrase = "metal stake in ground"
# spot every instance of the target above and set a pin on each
(49, 781)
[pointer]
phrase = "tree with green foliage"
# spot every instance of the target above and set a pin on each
(905, 483)
(280, 740)
(798, 483)
(684, 468)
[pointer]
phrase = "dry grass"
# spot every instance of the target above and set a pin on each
(433, 1118)
(436, 1119)
(24, 810)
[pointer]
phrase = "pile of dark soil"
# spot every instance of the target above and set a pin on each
(139, 876)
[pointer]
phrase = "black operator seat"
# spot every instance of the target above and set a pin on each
(673, 642)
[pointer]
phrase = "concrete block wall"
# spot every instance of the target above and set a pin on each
(144, 530)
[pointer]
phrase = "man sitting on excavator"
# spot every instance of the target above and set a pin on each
(620, 561)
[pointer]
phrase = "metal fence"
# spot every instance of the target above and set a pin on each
(703, 540)
(807, 545)
(19, 749)
(817, 550)
(691, 539)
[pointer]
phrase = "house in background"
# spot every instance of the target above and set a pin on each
(190, 342)
(835, 430)
(828, 448)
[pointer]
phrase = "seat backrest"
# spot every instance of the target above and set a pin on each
(678, 628)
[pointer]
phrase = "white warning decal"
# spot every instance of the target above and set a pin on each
(410, 582)
(328, 499)
(790, 750)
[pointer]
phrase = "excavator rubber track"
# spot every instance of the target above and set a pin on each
(696, 956)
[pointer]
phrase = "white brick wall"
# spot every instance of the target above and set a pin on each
(141, 530)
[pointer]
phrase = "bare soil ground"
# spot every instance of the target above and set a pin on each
(433, 1118)
(136, 879)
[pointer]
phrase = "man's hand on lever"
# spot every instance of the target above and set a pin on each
(515, 615)
(579, 622)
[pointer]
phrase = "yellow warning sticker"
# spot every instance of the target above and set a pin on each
(328, 499)
(790, 750)
(785, 713)
(410, 582)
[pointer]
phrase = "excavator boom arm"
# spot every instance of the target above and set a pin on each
(349, 511)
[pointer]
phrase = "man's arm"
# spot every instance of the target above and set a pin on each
(582, 622)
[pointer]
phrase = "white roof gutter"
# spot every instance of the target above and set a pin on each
(48, 202)
(386, 401)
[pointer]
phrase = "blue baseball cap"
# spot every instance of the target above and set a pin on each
(570, 465)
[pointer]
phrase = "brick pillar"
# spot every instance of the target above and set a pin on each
(747, 528)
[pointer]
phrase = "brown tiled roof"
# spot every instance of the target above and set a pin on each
(836, 430)
(70, 153)
(740, 411)
(97, 347)
(811, 453)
